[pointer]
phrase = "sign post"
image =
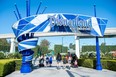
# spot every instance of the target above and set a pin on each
(98, 63)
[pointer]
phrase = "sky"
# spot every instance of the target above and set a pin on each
(104, 9)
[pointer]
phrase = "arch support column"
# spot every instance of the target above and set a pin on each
(77, 49)
(12, 46)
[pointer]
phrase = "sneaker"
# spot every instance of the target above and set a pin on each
(57, 68)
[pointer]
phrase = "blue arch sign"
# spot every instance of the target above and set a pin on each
(25, 28)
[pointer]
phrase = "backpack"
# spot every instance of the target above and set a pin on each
(59, 57)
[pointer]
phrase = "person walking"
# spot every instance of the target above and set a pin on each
(58, 59)
(64, 61)
(41, 61)
(47, 60)
(50, 61)
(69, 60)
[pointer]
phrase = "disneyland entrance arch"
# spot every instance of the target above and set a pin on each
(25, 28)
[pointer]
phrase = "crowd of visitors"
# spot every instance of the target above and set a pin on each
(63, 61)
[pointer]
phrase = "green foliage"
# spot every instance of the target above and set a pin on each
(104, 48)
(112, 65)
(10, 56)
(80, 62)
(88, 48)
(91, 55)
(4, 42)
(39, 50)
(4, 45)
(15, 55)
(84, 56)
(36, 50)
(57, 49)
(4, 48)
(2, 56)
(88, 63)
(44, 43)
(91, 63)
(18, 63)
(6, 67)
(104, 64)
(65, 49)
(72, 46)
(60, 49)
(44, 50)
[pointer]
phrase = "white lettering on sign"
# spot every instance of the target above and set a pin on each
(80, 24)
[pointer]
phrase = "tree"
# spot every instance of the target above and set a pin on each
(72, 46)
(57, 49)
(44, 50)
(2, 56)
(44, 43)
(4, 45)
(36, 50)
(65, 49)
(4, 42)
(103, 47)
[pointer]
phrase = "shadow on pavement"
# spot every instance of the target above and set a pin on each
(69, 73)
(80, 74)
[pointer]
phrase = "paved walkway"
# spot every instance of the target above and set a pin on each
(73, 72)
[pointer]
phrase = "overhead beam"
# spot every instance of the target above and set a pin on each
(109, 32)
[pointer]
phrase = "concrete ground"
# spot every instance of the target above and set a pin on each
(73, 72)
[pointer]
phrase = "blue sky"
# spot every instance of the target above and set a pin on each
(105, 9)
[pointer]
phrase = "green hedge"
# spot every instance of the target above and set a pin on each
(86, 63)
(104, 64)
(6, 67)
(112, 65)
(18, 63)
(91, 63)
(80, 62)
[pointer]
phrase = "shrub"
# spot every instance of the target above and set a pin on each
(2, 56)
(80, 62)
(104, 64)
(91, 63)
(112, 65)
(6, 67)
(17, 55)
(10, 56)
(88, 63)
(18, 64)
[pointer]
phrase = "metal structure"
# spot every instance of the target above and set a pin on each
(98, 63)
(25, 29)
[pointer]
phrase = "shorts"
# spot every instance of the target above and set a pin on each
(58, 61)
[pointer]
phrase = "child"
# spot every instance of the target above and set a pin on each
(47, 60)
(50, 61)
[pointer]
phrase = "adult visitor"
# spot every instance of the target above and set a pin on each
(58, 59)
